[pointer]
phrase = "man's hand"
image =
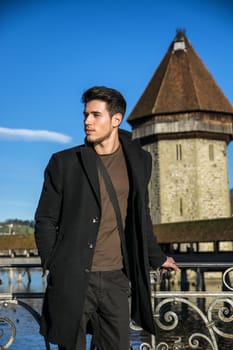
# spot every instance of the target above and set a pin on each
(169, 264)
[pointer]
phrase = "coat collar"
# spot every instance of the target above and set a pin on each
(133, 153)
(88, 157)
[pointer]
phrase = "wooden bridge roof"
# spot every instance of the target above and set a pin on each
(181, 84)
(213, 230)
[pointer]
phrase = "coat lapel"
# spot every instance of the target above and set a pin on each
(134, 164)
(88, 157)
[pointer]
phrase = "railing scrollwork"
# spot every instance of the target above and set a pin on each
(226, 277)
(7, 322)
(168, 307)
(219, 313)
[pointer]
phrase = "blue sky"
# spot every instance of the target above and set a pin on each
(51, 51)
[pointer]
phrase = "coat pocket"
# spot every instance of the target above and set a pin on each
(50, 258)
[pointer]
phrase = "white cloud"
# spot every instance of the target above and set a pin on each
(33, 135)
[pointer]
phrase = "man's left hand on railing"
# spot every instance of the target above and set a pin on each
(169, 264)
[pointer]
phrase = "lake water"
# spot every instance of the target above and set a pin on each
(27, 329)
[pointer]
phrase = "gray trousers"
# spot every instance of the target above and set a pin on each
(106, 311)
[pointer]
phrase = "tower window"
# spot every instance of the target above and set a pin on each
(211, 152)
(181, 207)
(178, 152)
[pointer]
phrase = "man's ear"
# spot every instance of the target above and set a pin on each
(116, 119)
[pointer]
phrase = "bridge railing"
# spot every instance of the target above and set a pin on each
(193, 319)
(209, 313)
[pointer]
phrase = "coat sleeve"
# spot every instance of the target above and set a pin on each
(155, 253)
(48, 211)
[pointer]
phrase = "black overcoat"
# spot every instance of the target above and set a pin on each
(67, 221)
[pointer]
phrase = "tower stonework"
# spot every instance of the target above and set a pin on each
(188, 182)
(185, 122)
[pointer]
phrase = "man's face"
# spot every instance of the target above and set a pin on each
(98, 122)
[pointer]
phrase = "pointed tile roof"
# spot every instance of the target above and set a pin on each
(181, 83)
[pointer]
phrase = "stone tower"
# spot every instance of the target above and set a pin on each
(184, 120)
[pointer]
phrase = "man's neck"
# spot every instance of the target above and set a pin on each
(107, 147)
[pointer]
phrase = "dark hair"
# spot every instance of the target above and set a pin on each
(113, 98)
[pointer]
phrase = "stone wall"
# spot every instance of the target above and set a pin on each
(189, 180)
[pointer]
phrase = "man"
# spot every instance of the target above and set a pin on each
(80, 239)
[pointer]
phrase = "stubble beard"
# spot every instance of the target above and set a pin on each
(98, 141)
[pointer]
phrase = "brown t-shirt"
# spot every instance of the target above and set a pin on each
(108, 255)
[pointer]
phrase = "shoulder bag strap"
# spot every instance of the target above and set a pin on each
(113, 197)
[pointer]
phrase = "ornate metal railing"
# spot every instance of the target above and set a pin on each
(210, 313)
(211, 323)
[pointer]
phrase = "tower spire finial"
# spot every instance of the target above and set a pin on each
(179, 41)
(180, 34)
